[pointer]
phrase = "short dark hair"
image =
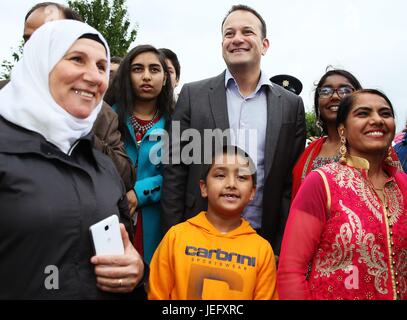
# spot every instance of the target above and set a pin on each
(171, 55)
(67, 12)
(242, 7)
(230, 150)
(351, 78)
(121, 91)
(346, 104)
(116, 59)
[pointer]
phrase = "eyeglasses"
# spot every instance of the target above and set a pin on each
(327, 92)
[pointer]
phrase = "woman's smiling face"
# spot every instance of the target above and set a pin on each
(79, 80)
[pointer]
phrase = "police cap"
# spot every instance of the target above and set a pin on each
(288, 82)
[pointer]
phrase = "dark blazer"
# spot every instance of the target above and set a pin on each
(202, 105)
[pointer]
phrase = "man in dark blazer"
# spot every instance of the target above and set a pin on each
(219, 103)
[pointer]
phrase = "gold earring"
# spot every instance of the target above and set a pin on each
(342, 150)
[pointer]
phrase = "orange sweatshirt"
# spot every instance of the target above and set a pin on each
(195, 261)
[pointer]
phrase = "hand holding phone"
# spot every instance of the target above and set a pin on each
(106, 237)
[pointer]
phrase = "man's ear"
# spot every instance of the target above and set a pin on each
(252, 194)
(266, 45)
(202, 186)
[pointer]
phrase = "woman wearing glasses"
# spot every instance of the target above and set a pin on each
(345, 237)
(332, 87)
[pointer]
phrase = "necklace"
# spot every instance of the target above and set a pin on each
(383, 186)
(374, 187)
(141, 129)
(380, 193)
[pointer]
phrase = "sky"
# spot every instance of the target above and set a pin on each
(365, 37)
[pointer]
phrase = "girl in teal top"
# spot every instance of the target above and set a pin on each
(141, 95)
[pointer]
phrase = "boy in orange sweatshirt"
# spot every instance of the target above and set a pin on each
(216, 254)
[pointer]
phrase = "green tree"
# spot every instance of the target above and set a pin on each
(110, 18)
(7, 65)
(310, 121)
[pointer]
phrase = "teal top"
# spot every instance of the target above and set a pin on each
(147, 157)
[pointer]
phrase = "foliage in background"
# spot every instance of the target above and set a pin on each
(110, 18)
(7, 65)
(310, 121)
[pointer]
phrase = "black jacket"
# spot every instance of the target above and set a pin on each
(107, 138)
(48, 200)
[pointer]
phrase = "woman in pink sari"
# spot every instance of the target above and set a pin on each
(346, 235)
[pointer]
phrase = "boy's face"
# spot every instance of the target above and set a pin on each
(229, 185)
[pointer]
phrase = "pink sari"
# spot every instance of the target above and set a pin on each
(340, 242)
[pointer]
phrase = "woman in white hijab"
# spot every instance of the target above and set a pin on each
(53, 184)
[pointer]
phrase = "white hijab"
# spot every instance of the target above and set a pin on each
(26, 100)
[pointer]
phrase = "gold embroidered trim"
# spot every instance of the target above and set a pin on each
(342, 255)
(401, 269)
(389, 248)
(395, 201)
(327, 190)
(307, 163)
(352, 179)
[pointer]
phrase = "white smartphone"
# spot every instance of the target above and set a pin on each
(106, 237)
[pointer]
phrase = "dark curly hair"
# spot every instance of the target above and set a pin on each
(351, 78)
